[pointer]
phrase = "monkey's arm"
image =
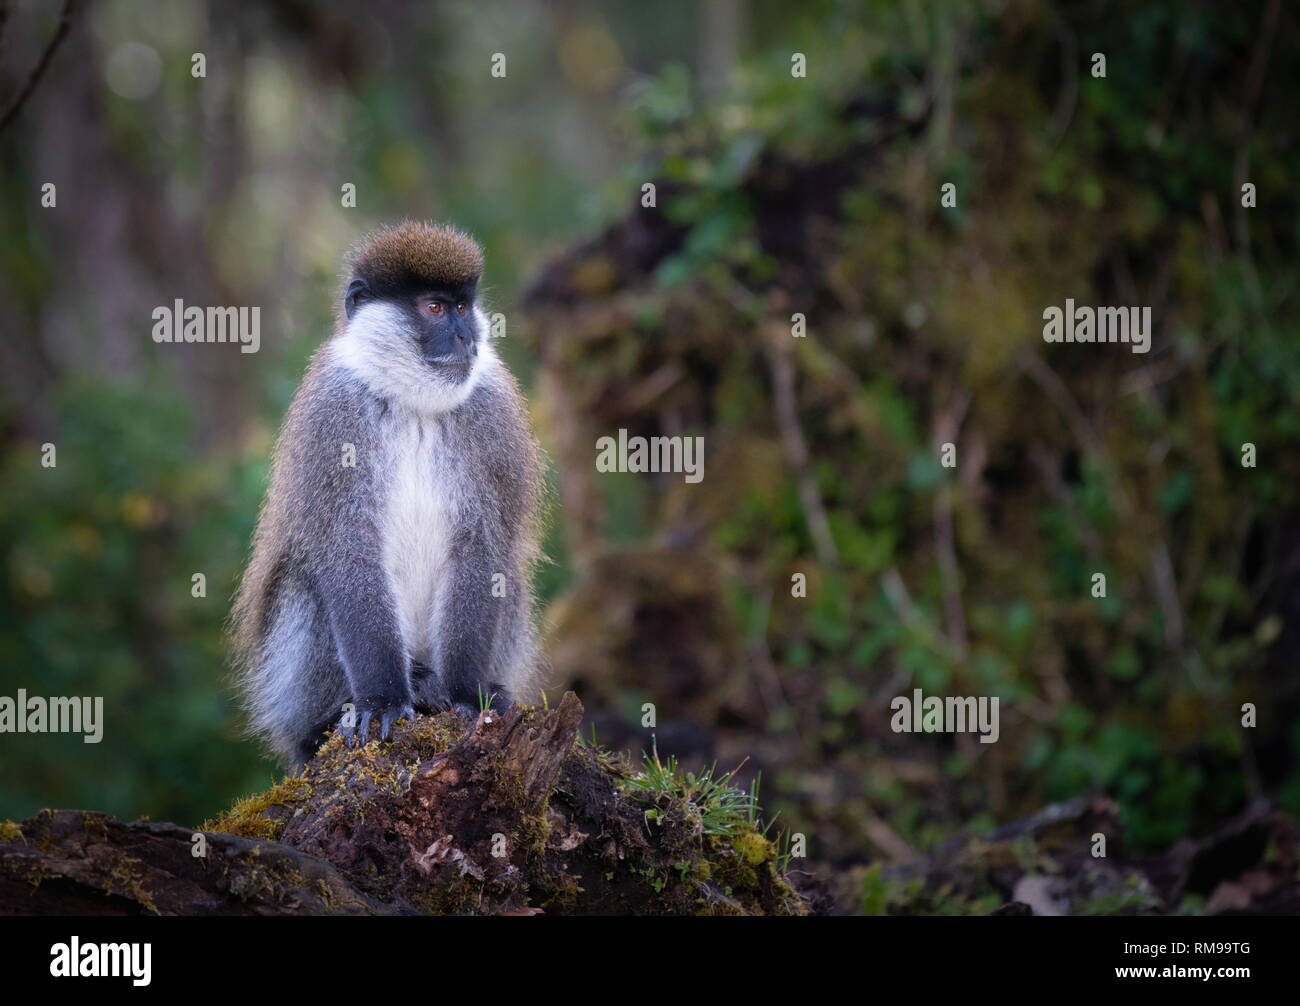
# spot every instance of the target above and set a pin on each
(351, 586)
(336, 504)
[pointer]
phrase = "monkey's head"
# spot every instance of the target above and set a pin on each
(410, 306)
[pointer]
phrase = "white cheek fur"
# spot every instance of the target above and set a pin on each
(376, 346)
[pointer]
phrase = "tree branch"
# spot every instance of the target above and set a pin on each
(15, 106)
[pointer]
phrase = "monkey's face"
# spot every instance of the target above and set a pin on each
(446, 330)
(436, 330)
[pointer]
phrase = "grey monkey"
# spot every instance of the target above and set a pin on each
(391, 566)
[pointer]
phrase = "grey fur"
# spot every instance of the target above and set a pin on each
(318, 620)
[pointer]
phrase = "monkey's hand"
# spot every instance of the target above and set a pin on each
(355, 727)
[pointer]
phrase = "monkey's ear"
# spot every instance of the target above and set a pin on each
(358, 291)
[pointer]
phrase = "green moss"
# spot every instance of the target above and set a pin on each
(29, 871)
(562, 896)
(752, 847)
(10, 832)
(507, 783)
(732, 870)
(529, 839)
(431, 735)
(450, 894)
(262, 815)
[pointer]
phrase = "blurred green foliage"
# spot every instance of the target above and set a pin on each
(98, 600)
(820, 195)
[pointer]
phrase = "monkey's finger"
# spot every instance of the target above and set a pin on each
(363, 728)
(385, 724)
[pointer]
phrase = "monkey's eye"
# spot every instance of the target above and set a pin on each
(435, 308)
(460, 308)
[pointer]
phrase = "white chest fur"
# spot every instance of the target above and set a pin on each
(418, 516)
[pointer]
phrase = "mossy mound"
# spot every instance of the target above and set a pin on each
(508, 813)
(346, 777)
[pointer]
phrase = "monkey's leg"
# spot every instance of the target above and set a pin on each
(352, 587)
(466, 623)
(301, 684)
(515, 650)
(429, 693)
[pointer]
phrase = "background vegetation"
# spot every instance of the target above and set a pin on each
(775, 195)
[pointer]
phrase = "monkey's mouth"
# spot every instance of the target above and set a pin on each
(462, 359)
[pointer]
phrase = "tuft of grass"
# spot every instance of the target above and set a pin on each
(720, 807)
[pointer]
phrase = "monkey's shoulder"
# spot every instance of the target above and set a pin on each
(329, 445)
(333, 407)
(495, 431)
(495, 411)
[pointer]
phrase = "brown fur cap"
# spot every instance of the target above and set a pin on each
(414, 255)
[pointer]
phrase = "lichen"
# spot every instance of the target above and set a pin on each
(124, 879)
